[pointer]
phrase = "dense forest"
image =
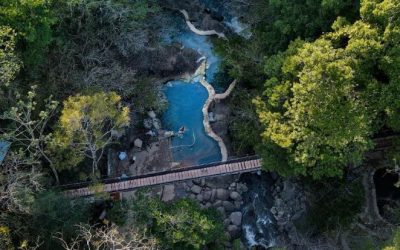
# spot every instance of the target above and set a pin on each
(317, 99)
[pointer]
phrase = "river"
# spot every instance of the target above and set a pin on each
(186, 100)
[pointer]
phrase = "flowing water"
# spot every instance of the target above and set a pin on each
(186, 100)
(258, 223)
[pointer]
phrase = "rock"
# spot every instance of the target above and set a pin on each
(156, 123)
(168, 193)
(208, 205)
(148, 123)
(197, 181)
(189, 183)
(196, 189)
(227, 222)
(207, 195)
(222, 194)
(217, 203)
(235, 196)
(192, 196)
(138, 143)
(229, 207)
(199, 197)
(238, 204)
(169, 133)
(234, 231)
(222, 211)
(213, 195)
(241, 187)
(203, 182)
(236, 218)
(297, 215)
(152, 114)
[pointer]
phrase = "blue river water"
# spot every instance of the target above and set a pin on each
(185, 102)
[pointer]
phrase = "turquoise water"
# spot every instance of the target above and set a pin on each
(185, 102)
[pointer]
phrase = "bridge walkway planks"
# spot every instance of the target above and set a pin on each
(224, 168)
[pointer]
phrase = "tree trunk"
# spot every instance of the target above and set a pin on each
(55, 175)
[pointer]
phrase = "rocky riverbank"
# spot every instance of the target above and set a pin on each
(224, 193)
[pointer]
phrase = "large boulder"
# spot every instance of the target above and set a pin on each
(157, 123)
(229, 206)
(138, 143)
(200, 198)
(234, 231)
(168, 193)
(207, 195)
(235, 196)
(221, 210)
(222, 194)
(152, 114)
(217, 203)
(213, 195)
(236, 218)
(148, 123)
(196, 189)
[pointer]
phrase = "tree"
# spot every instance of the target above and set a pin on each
(274, 24)
(32, 21)
(27, 128)
(394, 242)
(100, 237)
(20, 181)
(95, 43)
(9, 61)
(324, 101)
(180, 225)
(88, 123)
(53, 212)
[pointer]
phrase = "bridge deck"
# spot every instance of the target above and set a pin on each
(233, 167)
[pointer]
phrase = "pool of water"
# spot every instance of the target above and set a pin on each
(185, 102)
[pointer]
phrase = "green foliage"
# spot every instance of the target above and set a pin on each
(179, 225)
(237, 245)
(394, 242)
(32, 20)
(53, 213)
(274, 25)
(9, 61)
(26, 127)
(183, 225)
(5, 238)
(86, 126)
(328, 98)
(244, 127)
(96, 45)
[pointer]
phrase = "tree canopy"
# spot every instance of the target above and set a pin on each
(32, 21)
(9, 61)
(325, 99)
(87, 125)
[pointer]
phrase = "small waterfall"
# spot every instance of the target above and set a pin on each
(259, 225)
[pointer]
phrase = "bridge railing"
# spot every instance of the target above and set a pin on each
(118, 179)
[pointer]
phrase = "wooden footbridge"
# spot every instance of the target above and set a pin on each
(116, 185)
